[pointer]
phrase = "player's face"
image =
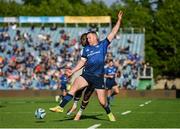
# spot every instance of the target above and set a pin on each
(92, 39)
(111, 63)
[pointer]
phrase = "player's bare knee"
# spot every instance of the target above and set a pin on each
(117, 91)
(72, 92)
(103, 104)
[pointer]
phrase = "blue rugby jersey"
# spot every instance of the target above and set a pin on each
(111, 71)
(95, 56)
(64, 79)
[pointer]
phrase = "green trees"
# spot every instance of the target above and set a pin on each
(162, 45)
(165, 39)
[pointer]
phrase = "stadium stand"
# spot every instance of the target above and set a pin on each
(35, 57)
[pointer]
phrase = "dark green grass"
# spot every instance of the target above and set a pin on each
(160, 113)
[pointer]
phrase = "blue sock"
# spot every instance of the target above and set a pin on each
(108, 100)
(65, 100)
(107, 109)
(112, 95)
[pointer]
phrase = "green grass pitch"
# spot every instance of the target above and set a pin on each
(159, 113)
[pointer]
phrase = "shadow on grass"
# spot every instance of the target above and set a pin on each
(2, 106)
(83, 117)
(95, 117)
(40, 121)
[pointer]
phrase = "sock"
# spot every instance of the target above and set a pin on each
(65, 100)
(84, 104)
(113, 93)
(80, 111)
(76, 98)
(108, 99)
(107, 109)
(75, 104)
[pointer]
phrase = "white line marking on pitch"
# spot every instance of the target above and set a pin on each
(124, 113)
(148, 102)
(141, 105)
(94, 126)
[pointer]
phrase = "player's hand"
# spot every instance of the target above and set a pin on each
(68, 72)
(111, 76)
(120, 14)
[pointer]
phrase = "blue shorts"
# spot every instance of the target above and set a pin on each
(96, 82)
(63, 87)
(110, 83)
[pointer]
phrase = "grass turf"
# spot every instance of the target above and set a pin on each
(160, 113)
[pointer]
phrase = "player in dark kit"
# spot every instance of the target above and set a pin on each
(87, 90)
(93, 61)
(111, 86)
(86, 96)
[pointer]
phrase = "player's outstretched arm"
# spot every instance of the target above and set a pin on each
(79, 65)
(115, 29)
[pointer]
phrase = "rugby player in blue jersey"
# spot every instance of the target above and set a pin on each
(86, 92)
(93, 61)
(63, 86)
(111, 85)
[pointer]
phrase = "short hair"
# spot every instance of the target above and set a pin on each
(93, 32)
(83, 40)
(110, 60)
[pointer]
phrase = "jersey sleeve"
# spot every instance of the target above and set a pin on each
(106, 71)
(83, 53)
(105, 43)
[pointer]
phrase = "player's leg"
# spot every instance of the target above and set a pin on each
(77, 97)
(109, 90)
(79, 83)
(58, 97)
(87, 94)
(63, 89)
(111, 93)
(64, 93)
(101, 93)
(115, 90)
(98, 83)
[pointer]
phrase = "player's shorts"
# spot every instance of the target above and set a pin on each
(110, 83)
(96, 82)
(63, 87)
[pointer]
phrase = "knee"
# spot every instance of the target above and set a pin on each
(72, 92)
(117, 91)
(103, 104)
(73, 89)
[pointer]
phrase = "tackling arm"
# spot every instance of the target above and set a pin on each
(79, 65)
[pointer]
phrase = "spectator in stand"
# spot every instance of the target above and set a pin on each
(53, 27)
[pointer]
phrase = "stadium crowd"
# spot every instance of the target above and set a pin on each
(38, 61)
